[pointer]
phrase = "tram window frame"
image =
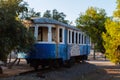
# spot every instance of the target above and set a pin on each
(61, 35)
(79, 38)
(73, 37)
(82, 42)
(69, 36)
(39, 34)
(53, 34)
(76, 38)
(43, 36)
(88, 39)
(85, 39)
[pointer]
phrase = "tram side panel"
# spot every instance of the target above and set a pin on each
(44, 51)
(84, 51)
(41, 54)
(78, 52)
(46, 54)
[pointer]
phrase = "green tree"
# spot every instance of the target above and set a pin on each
(47, 14)
(117, 11)
(30, 12)
(112, 36)
(59, 16)
(92, 23)
(13, 34)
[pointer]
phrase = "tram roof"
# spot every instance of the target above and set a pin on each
(51, 21)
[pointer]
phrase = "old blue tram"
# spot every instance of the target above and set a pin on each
(57, 43)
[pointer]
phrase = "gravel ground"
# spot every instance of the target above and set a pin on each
(91, 70)
(73, 73)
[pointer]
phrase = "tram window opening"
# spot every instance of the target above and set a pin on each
(72, 37)
(53, 34)
(76, 38)
(43, 34)
(69, 36)
(88, 40)
(82, 39)
(79, 38)
(85, 40)
(60, 35)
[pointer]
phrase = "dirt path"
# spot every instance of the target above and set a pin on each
(96, 70)
(107, 71)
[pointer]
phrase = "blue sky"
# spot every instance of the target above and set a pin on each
(72, 8)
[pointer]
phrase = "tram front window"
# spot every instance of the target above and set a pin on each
(53, 34)
(60, 35)
(43, 34)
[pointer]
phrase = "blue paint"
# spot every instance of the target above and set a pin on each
(48, 51)
(43, 51)
(84, 49)
(63, 51)
(68, 51)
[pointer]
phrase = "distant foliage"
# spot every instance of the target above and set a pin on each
(56, 15)
(117, 11)
(112, 36)
(92, 23)
(29, 13)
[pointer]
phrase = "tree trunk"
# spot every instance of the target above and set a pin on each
(11, 64)
(1, 71)
(94, 57)
(9, 58)
(18, 61)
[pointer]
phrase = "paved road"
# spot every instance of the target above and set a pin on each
(112, 70)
